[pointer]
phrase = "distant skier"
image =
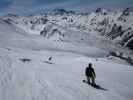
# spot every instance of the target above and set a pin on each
(50, 58)
(90, 74)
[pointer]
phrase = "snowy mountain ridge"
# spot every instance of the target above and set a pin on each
(63, 25)
(112, 25)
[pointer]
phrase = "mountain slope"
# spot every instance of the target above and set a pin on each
(27, 74)
(114, 25)
(36, 79)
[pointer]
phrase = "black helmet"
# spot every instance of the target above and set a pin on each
(90, 65)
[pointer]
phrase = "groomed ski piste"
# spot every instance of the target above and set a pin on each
(26, 75)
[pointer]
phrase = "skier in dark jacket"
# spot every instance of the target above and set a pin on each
(90, 74)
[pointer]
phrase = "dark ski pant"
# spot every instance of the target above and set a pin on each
(92, 79)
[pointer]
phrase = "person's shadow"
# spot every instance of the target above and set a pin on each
(98, 87)
(95, 86)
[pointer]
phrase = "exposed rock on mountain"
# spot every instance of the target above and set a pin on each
(116, 25)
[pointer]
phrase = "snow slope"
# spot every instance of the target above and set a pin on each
(25, 73)
(37, 80)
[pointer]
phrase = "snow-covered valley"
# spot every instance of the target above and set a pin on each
(26, 73)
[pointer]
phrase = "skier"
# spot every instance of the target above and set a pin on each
(90, 74)
(50, 58)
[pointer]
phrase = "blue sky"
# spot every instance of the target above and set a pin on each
(23, 6)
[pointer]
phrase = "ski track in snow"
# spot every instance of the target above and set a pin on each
(62, 80)
(37, 80)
